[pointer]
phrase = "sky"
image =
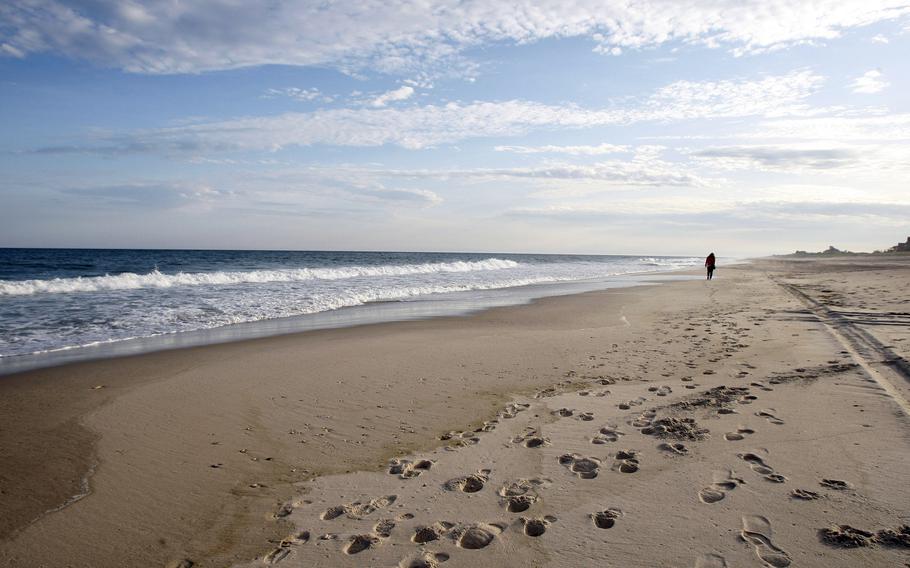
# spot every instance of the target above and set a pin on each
(570, 126)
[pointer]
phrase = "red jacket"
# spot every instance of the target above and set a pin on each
(710, 260)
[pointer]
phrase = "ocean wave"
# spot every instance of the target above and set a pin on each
(670, 262)
(156, 279)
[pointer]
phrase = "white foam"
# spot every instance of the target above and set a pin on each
(156, 279)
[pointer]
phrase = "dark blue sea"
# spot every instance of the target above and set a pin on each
(55, 300)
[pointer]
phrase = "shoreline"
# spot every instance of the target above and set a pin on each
(198, 448)
(454, 304)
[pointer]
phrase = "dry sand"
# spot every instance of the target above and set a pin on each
(708, 424)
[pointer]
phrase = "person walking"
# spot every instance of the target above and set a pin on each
(709, 264)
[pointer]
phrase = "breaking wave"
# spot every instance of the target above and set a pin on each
(156, 279)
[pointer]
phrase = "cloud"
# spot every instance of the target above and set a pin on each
(429, 125)
(151, 195)
(870, 82)
(399, 94)
(755, 214)
(874, 126)
(571, 150)
(625, 173)
(296, 93)
(404, 36)
(644, 169)
(379, 193)
(780, 157)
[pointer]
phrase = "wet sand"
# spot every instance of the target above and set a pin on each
(688, 424)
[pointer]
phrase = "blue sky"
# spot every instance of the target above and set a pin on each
(588, 127)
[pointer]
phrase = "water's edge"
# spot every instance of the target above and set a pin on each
(426, 307)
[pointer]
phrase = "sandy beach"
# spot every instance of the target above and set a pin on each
(760, 419)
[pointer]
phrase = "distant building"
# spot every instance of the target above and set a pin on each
(901, 247)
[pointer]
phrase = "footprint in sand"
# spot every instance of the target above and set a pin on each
(585, 416)
(630, 403)
(429, 533)
(710, 561)
(531, 438)
(845, 536)
(626, 461)
(283, 511)
(384, 527)
(605, 519)
(739, 434)
(769, 414)
(469, 483)
(511, 410)
(606, 434)
(276, 555)
(536, 526)
(360, 542)
(759, 466)
(406, 469)
(518, 496)
(357, 509)
(424, 560)
(723, 481)
(710, 495)
(757, 532)
(563, 412)
(478, 535)
(644, 419)
(747, 399)
(536, 442)
(674, 448)
(585, 468)
(284, 548)
(660, 391)
(836, 484)
(804, 494)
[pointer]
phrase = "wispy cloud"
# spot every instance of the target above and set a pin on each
(780, 157)
(870, 82)
(571, 150)
(147, 195)
(429, 125)
(762, 214)
(296, 93)
(406, 36)
(399, 94)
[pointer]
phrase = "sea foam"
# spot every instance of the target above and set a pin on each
(156, 279)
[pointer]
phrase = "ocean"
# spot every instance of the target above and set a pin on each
(63, 300)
